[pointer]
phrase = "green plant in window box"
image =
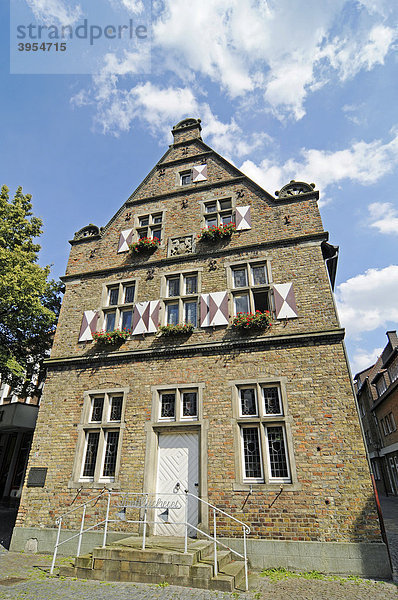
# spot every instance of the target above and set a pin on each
(217, 232)
(257, 320)
(144, 245)
(111, 338)
(170, 330)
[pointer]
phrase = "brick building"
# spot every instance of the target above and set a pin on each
(258, 421)
(377, 394)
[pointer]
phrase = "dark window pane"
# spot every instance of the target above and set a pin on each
(272, 405)
(113, 296)
(110, 321)
(248, 402)
(157, 219)
(189, 404)
(142, 233)
(226, 219)
(168, 403)
(91, 454)
(144, 221)
(251, 452)
(191, 284)
(172, 314)
(261, 301)
(174, 286)
(240, 277)
(97, 408)
(129, 291)
(224, 204)
(127, 316)
(186, 179)
(211, 208)
(112, 440)
(156, 234)
(259, 275)
(116, 408)
(277, 452)
(191, 313)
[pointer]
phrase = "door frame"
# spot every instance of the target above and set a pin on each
(151, 461)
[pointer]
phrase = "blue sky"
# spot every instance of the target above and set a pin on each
(285, 89)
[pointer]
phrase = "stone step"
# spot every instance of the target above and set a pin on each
(161, 561)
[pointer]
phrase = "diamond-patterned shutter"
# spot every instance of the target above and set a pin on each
(88, 326)
(126, 237)
(145, 317)
(199, 173)
(285, 301)
(214, 309)
(242, 218)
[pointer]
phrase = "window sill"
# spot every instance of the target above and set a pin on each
(265, 487)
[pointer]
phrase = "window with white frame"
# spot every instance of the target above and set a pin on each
(250, 287)
(262, 430)
(178, 404)
(150, 226)
(101, 436)
(218, 212)
(381, 385)
(181, 298)
(393, 370)
(119, 305)
(388, 424)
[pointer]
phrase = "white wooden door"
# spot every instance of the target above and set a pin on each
(178, 470)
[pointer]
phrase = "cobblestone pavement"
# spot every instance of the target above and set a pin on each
(26, 577)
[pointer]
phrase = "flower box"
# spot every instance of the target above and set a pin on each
(111, 338)
(217, 232)
(170, 330)
(257, 320)
(144, 245)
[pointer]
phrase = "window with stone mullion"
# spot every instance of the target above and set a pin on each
(182, 299)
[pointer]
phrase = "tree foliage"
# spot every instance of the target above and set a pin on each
(29, 301)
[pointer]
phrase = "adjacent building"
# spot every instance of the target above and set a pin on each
(229, 376)
(377, 394)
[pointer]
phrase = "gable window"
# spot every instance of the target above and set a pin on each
(393, 370)
(150, 226)
(218, 212)
(178, 404)
(250, 288)
(98, 451)
(181, 299)
(119, 304)
(262, 432)
(186, 178)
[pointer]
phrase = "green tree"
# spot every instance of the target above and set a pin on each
(29, 301)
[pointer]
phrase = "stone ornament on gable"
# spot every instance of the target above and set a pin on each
(87, 232)
(181, 245)
(295, 188)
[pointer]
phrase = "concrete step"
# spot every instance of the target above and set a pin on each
(162, 560)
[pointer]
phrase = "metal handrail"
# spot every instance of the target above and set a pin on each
(144, 506)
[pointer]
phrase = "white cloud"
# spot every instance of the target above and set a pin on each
(362, 359)
(369, 300)
(384, 217)
(49, 11)
(364, 162)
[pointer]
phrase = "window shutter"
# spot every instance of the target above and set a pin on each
(285, 301)
(126, 237)
(199, 173)
(242, 218)
(88, 326)
(145, 317)
(214, 309)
